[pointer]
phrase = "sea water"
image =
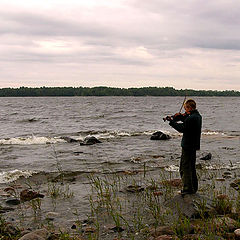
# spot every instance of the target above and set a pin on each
(32, 131)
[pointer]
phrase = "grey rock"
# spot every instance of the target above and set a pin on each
(90, 141)
(207, 157)
(162, 230)
(160, 136)
(237, 234)
(51, 215)
(40, 234)
(134, 188)
(13, 201)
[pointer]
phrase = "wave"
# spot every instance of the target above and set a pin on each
(10, 176)
(32, 140)
(171, 168)
(114, 134)
(230, 166)
(118, 133)
(102, 135)
(209, 132)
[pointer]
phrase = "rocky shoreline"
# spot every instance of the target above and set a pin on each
(141, 204)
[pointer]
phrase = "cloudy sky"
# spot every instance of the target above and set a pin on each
(120, 43)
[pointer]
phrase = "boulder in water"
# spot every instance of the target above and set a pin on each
(160, 136)
(90, 141)
(13, 201)
(207, 157)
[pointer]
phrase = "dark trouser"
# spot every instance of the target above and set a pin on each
(188, 170)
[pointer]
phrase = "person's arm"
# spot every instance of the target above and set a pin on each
(177, 126)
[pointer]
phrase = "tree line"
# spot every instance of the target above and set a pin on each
(110, 91)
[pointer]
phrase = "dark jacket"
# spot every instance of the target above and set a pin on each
(191, 129)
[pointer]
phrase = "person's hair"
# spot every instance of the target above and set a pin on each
(191, 103)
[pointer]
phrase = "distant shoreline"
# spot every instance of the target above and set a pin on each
(110, 91)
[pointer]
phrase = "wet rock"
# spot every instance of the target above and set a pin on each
(177, 182)
(227, 176)
(162, 230)
(227, 173)
(41, 234)
(134, 188)
(27, 195)
(220, 179)
(9, 189)
(88, 221)
(207, 157)
(51, 215)
(160, 136)
(13, 201)
(90, 141)
(69, 139)
(32, 120)
(77, 153)
(237, 234)
(74, 226)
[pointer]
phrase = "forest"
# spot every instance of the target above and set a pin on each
(110, 91)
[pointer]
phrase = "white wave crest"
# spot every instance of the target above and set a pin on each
(208, 132)
(231, 166)
(114, 134)
(172, 168)
(11, 176)
(30, 140)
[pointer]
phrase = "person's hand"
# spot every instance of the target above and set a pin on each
(169, 118)
(176, 114)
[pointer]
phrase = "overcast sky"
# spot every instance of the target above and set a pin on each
(120, 43)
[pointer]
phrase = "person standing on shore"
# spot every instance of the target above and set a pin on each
(190, 126)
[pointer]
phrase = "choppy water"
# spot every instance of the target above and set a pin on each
(31, 131)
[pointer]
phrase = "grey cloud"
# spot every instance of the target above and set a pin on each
(96, 55)
(25, 23)
(197, 23)
(206, 24)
